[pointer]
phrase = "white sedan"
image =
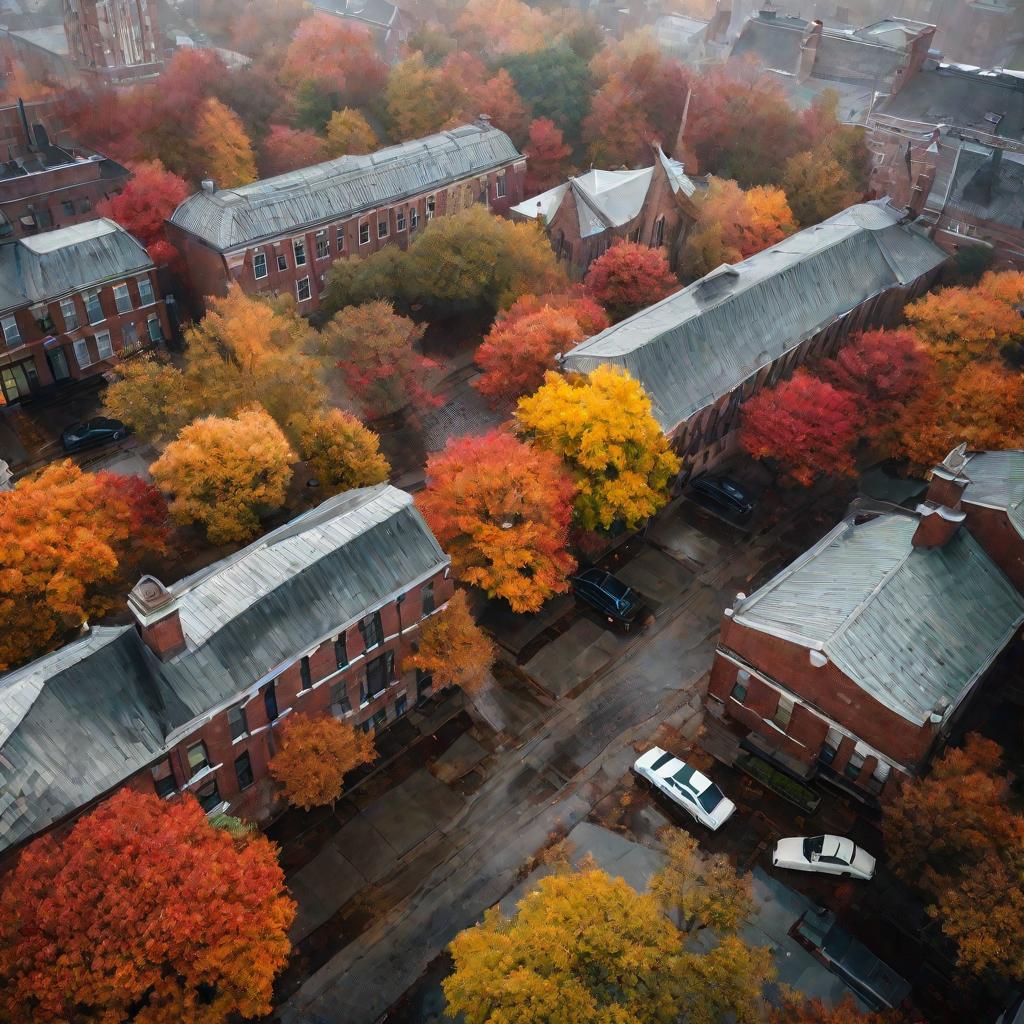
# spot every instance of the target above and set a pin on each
(685, 786)
(831, 855)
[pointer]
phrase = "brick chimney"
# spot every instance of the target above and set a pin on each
(809, 49)
(941, 512)
(156, 617)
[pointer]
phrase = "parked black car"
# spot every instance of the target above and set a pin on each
(722, 493)
(608, 595)
(92, 432)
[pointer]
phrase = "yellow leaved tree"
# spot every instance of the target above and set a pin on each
(602, 428)
(341, 452)
(225, 472)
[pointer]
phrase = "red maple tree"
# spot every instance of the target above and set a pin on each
(546, 155)
(145, 912)
(629, 277)
(804, 424)
(526, 337)
(285, 149)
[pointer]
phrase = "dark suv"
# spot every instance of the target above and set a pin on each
(723, 494)
(608, 595)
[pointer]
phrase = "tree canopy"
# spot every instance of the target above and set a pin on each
(115, 923)
(629, 277)
(341, 452)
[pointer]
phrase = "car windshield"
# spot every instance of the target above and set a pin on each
(661, 762)
(730, 488)
(812, 847)
(615, 588)
(711, 797)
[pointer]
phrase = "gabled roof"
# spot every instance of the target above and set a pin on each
(701, 342)
(997, 481)
(46, 266)
(77, 722)
(340, 188)
(912, 627)
(607, 199)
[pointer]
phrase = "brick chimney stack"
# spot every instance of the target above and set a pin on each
(156, 618)
(941, 512)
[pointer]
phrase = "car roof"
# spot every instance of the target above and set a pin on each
(691, 779)
(837, 846)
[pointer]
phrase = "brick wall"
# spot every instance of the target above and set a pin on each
(992, 529)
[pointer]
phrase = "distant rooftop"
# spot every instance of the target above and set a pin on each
(913, 627)
(341, 188)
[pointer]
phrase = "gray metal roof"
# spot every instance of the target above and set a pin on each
(46, 266)
(79, 721)
(341, 188)
(997, 479)
(910, 626)
(700, 343)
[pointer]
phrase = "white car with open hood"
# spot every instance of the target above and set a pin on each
(831, 855)
(685, 787)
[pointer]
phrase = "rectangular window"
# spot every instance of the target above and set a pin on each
(237, 722)
(854, 765)
(243, 770)
(414, 219)
(339, 698)
(499, 186)
(282, 261)
(208, 796)
(146, 296)
(103, 347)
(382, 229)
(739, 692)
(323, 245)
(400, 220)
(428, 597)
(44, 219)
(85, 205)
(259, 265)
(305, 677)
(430, 207)
(783, 713)
(82, 356)
(424, 681)
(371, 630)
(93, 307)
(401, 704)
(155, 330)
(380, 719)
(12, 335)
(364, 233)
(122, 299)
(341, 650)
(302, 289)
(197, 759)
(341, 237)
(68, 208)
(379, 673)
(299, 246)
(69, 314)
(270, 700)
(163, 779)
(831, 746)
(130, 337)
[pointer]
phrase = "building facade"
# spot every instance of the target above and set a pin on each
(44, 185)
(389, 25)
(314, 618)
(704, 350)
(854, 663)
(73, 302)
(281, 235)
(585, 216)
(115, 39)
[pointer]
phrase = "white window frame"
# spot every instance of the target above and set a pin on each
(431, 207)
(70, 322)
(364, 224)
(282, 261)
(145, 287)
(500, 187)
(129, 344)
(298, 289)
(385, 224)
(95, 293)
(399, 220)
(122, 289)
(299, 251)
(149, 329)
(266, 270)
(80, 345)
(106, 343)
(340, 234)
(12, 332)
(414, 219)
(323, 239)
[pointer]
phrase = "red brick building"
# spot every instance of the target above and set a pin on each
(281, 235)
(585, 216)
(313, 618)
(72, 302)
(114, 39)
(855, 661)
(704, 350)
(45, 185)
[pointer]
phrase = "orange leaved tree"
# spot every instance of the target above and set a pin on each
(453, 648)
(629, 277)
(501, 509)
(315, 756)
(145, 913)
(796, 1009)
(284, 149)
(807, 426)
(224, 472)
(68, 539)
(525, 338)
(224, 149)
